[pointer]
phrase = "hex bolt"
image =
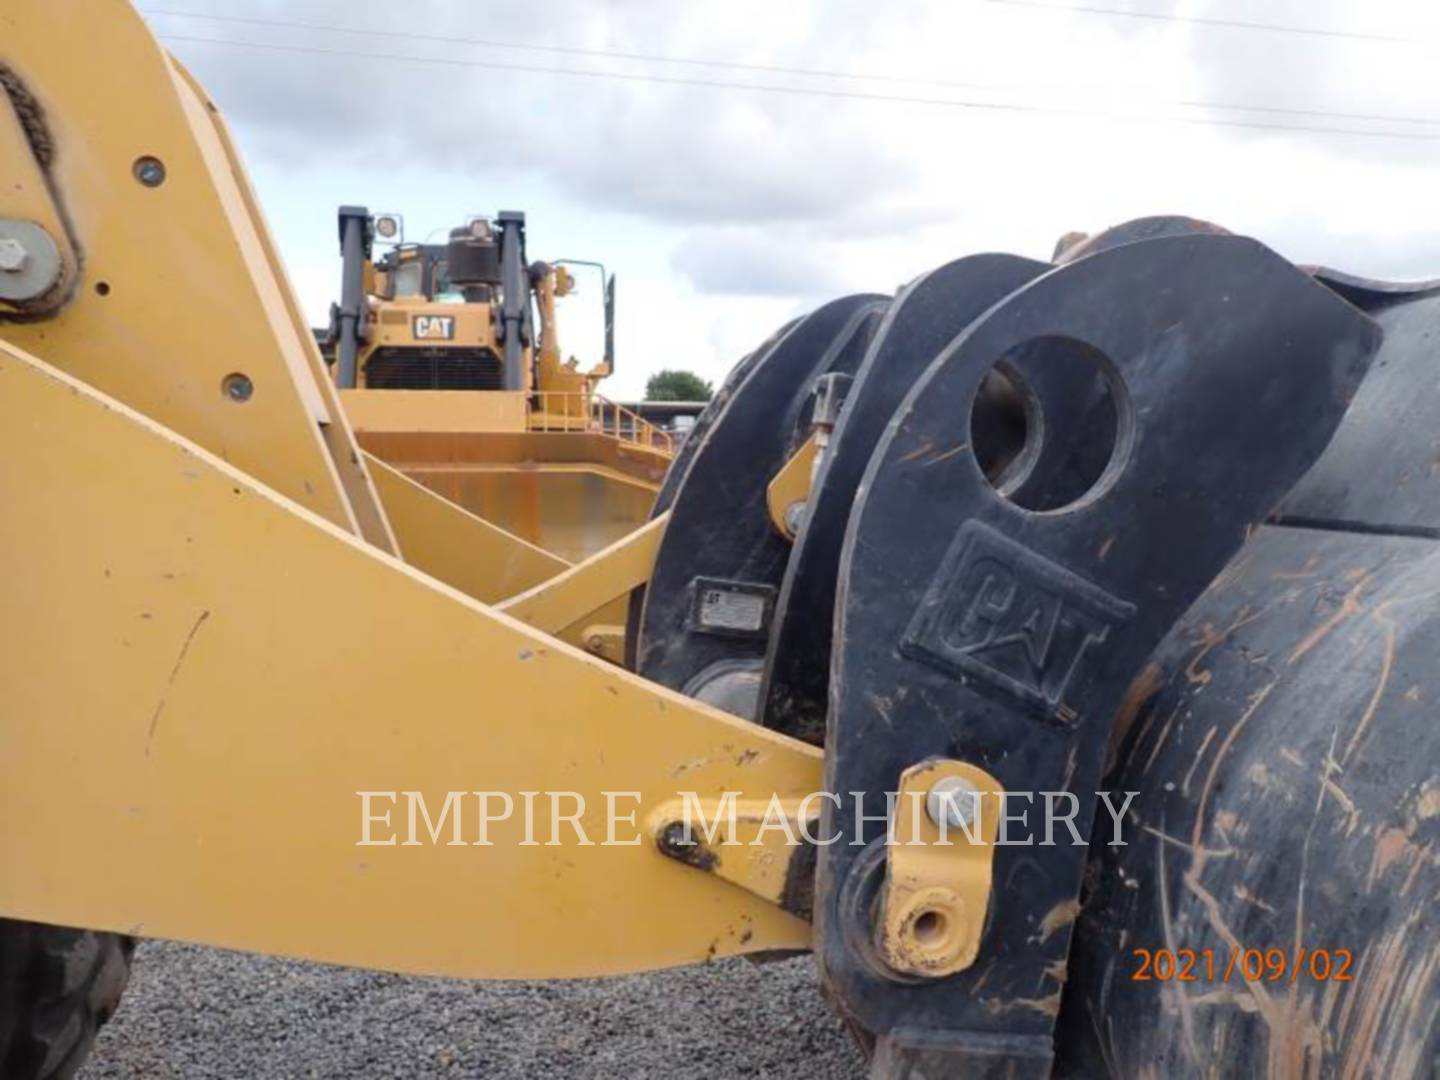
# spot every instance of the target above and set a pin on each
(238, 387)
(31, 264)
(675, 838)
(794, 515)
(13, 255)
(953, 801)
(150, 171)
(679, 843)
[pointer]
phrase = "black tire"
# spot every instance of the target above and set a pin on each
(57, 987)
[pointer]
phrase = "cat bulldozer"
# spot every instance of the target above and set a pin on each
(1048, 648)
(448, 362)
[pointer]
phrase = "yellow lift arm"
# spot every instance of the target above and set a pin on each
(209, 640)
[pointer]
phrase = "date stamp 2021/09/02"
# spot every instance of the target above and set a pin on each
(1239, 964)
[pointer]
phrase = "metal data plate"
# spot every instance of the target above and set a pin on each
(731, 608)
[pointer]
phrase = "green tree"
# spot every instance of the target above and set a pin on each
(677, 386)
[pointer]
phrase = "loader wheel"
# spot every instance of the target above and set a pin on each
(57, 987)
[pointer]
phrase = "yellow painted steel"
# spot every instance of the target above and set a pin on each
(937, 883)
(447, 542)
(751, 843)
(390, 323)
(570, 493)
(179, 295)
(212, 690)
(571, 510)
(440, 411)
(605, 640)
(199, 675)
(579, 593)
(339, 438)
(418, 448)
(791, 485)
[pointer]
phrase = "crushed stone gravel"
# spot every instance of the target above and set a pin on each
(193, 1012)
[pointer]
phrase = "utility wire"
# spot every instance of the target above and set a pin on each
(848, 95)
(1317, 114)
(609, 54)
(1201, 20)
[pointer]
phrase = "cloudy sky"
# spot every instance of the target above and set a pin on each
(737, 161)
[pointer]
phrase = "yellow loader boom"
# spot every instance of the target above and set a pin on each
(184, 480)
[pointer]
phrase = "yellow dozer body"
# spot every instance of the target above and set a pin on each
(449, 365)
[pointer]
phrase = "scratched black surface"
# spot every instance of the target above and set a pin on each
(719, 527)
(1237, 367)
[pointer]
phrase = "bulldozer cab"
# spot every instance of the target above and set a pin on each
(407, 273)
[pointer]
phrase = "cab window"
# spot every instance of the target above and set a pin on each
(444, 292)
(406, 280)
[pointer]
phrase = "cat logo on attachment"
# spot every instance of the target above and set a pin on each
(1002, 616)
(433, 327)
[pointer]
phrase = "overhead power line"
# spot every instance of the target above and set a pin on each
(811, 91)
(775, 69)
(607, 54)
(1205, 20)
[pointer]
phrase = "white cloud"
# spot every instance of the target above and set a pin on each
(726, 210)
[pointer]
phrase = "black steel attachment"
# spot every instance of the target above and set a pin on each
(515, 332)
(925, 317)
(347, 319)
(707, 608)
(1157, 520)
(1283, 850)
(971, 628)
(685, 456)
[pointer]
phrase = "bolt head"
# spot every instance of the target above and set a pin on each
(238, 387)
(794, 515)
(150, 171)
(953, 802)
(13, 255)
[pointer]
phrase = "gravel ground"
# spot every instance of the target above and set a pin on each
(193, 1012)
